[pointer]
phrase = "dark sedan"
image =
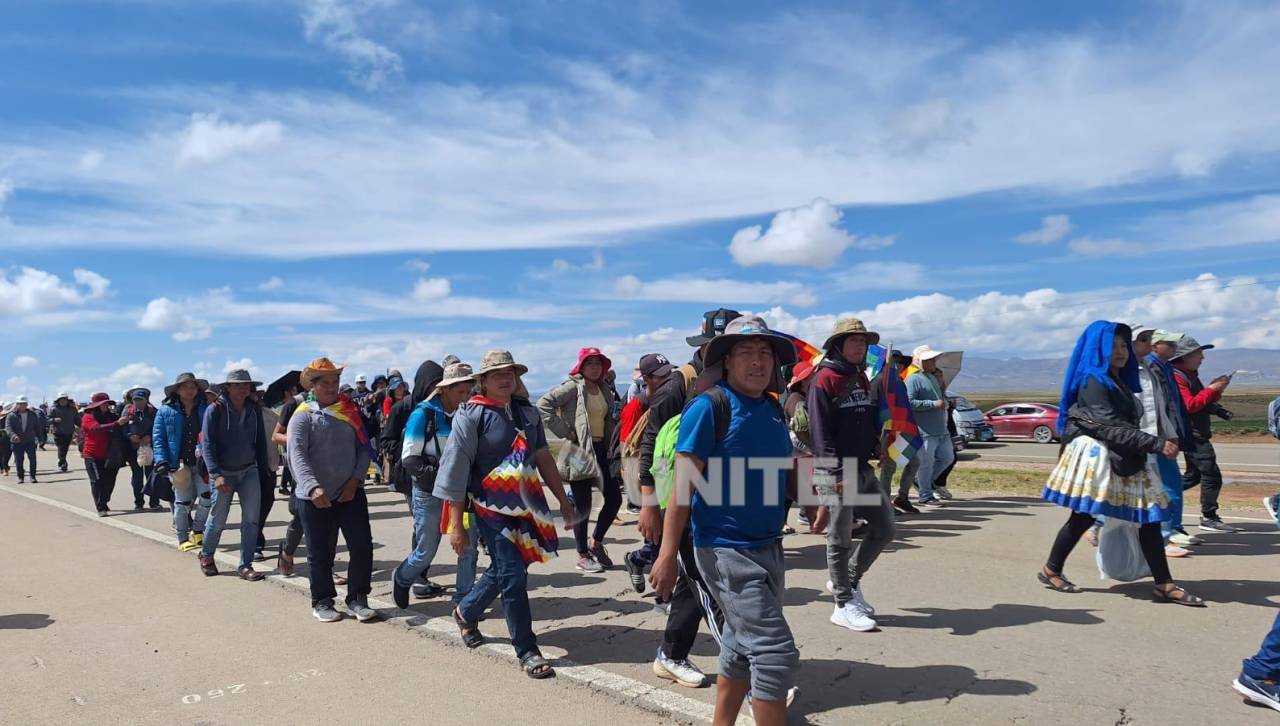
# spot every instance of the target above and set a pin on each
(1035, 421)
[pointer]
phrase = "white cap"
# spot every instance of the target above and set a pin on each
(361, 379)
(20, 399)
(63, 394)
(924, 352)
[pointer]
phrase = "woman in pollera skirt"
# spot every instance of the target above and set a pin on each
(1107, 465)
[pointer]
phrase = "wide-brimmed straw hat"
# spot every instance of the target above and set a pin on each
(749, 327)
(845, 327)
(182, 378)
(99, 399)
(455, 373)
(320, 367)
(496, 360)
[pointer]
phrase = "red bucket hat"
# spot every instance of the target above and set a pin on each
(586, 353)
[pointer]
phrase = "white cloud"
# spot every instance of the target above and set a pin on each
(91, 160)
(696, 289)
(172, 316)
(471, 163)
(1255, 220)
(115, 382)
(892, 276)
(1052, 228)
(17, 386)
(25, 361)
(6, 191)
(37, 291)
(1242, 311)
(1103, 247)
(333, 23)
(275, 283)
(243, 363)
(431, 289)
(808, 236)
(193, 318)
(208, 138)
(419, 266)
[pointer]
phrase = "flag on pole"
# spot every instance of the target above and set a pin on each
(804, 351)
(902, 435)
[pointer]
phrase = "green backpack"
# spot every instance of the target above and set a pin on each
(664, 446)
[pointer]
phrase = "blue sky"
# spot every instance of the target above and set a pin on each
(190, 185)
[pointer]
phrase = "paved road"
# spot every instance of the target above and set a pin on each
(967, 634)
(1259, 458)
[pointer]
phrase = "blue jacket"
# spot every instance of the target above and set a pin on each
(166, 433)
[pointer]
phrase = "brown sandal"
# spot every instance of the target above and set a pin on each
(250, 574)
(1055, 581)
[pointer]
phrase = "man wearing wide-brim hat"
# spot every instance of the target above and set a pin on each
(844, 426)
(174, 442)
(329, 454)
(425, 436)
(1201, 402)
(235, 453)
(138, 454)
(737, 539)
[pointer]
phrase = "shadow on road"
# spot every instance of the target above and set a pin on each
(973, 621)
(830, 684)
(25, 621)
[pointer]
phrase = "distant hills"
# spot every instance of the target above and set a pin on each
(1261, 369)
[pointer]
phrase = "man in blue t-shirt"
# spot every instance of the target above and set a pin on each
(732, 488)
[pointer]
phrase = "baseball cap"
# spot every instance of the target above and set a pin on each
(655, 365)
(1164, 336)
(713, 323)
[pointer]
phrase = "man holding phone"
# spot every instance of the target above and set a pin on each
(1201, 402)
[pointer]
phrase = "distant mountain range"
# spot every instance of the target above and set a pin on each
(1259, 369)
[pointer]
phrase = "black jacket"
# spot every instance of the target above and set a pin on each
(391, 437)
(1112, 415)
(666, 402)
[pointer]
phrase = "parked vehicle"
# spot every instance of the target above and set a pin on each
(1035, 421)
(969, 420)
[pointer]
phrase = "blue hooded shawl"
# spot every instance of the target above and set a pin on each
(1092, 359)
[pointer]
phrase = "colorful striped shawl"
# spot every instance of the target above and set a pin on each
(345, 410)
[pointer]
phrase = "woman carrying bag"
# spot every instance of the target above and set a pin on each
(1105, 469)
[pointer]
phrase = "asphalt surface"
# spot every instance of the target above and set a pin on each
(1263, 458)
(102, 625)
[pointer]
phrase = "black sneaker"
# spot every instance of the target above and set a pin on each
(633, 508)
(635, 572)
(602, 556)
(803, 520)
(427, 590)
(34, 480)
(1216, 525)
(399, 594)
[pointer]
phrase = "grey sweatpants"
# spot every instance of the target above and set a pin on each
(845, 567)
(756, 644)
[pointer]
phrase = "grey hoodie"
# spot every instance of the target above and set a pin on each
(323, 453)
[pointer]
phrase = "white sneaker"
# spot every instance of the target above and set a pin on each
(682, 672)
(325, 612)
(942, 492)
(862, 602)
(831, 587)
(852, 617)
(1173, 550)
(1184, 540)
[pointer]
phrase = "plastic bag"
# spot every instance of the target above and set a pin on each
(146, 456)
(1119, 554)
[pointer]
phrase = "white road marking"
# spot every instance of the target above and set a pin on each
(629, 690)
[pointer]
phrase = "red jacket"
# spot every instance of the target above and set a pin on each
(97, 436)
(1195, 402)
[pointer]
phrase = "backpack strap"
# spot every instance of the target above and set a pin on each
(689, 375)
(720, 410)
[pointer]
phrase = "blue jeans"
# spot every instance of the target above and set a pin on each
(427, 511)
(1171, 478)
(508, 575)
(29, 451)
(1265, 666)
(190, 490)
(245, 485)
(935, 455)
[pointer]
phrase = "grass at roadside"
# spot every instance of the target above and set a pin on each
(1249, 407)
(974, 480)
